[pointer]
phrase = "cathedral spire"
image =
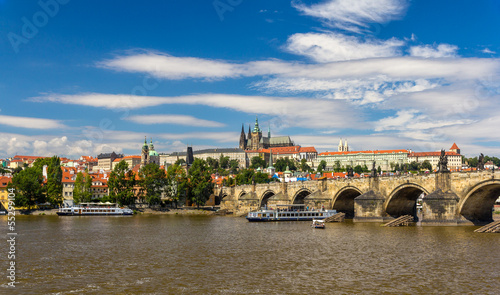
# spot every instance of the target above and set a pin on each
(269, 132)
(243, 141)
(249, 132)
(256, 128)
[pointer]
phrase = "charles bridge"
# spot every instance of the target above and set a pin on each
(448, 198)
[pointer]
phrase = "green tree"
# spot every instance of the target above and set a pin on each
(358, 169)
(415, 166)
(54, 181)
(152, 180)
(213, 163)
(427, 165)
(379, 170)
(282, 163)
(177, 184)
(78, 188)
(121, 184)
(337, 167)
(87, 189)
(200, 182)
(303, 165)
(321, 166)
(180, 162)
(257, 162)
(28, 185)
(234, 166)
(224, 162)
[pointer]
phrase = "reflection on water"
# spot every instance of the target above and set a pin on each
(213, 255)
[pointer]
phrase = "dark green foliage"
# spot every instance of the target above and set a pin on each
(303, 166)
(415, 166)
(121, 184)
(257, 162)
(358, 169)
(282, 163)
(245, 177)
(233, 166)
(200, 184)
(213, 163)
(177, 184)
(180, 162)
(426, 165)
(224, 162)
(153, 181)
(321, 166)
(28, 185)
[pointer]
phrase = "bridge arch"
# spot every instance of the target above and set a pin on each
(300, 195)
(479, 200)
(343, 201)
(403, 199)
(241, 194)
(265, 197)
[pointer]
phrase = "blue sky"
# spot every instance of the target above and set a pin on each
(85, 77)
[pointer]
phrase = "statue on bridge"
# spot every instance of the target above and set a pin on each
(374, 170)
(443, 162)
(480, 162)
(350, 172)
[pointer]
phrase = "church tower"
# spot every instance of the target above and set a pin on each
(153, 155)
(341, 146)
(346, 146)
(243, 140)
(256, 135)
(144, 153)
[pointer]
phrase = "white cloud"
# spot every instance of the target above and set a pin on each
(305, 112)
(174, 119)
(330, 47)
(414, 120)
(399, 68)
(433, 51)
(354, 15)
(31, 123)
(488, 51)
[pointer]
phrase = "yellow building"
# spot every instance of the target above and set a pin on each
(4, 193)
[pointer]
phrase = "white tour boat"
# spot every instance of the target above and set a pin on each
(295, 212)
(94, 209)
(318, 223)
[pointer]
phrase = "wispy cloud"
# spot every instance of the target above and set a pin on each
(434, 51)
(354, 16)
(174, 119)
(329, 47)
(290, 111)
(30, 123)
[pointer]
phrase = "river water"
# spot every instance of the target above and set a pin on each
(168, 254)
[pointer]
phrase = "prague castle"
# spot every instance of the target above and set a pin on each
(255, 141)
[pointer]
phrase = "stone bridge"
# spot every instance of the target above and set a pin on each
(448, 198)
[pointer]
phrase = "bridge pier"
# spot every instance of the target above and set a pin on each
(439, 208)
(369, 207)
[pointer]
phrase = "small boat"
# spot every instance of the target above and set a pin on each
(318, 223)
(290, 212)
(90, 209)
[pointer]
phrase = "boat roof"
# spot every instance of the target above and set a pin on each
(291, 205)
(101, 204)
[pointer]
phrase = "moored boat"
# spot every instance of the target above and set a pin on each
(317, 223)
(90, 209)
(291, 212)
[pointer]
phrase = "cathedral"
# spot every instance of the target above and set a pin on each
(148, 154)
(255, 140)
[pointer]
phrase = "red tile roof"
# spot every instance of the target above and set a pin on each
(454, 147)
(308, 150)
(364, 152)
(429, 154)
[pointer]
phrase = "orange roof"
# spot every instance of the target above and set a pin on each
(308, 150)
(132, 157)
(364, 152)
(434, 154)
(118, 160)
(4, 181)
(454, 147)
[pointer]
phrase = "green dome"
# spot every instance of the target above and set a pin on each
(153, 153)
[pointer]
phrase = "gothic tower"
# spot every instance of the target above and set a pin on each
(256, 135)
(243, 140)
(144, 153)
(341, 146)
